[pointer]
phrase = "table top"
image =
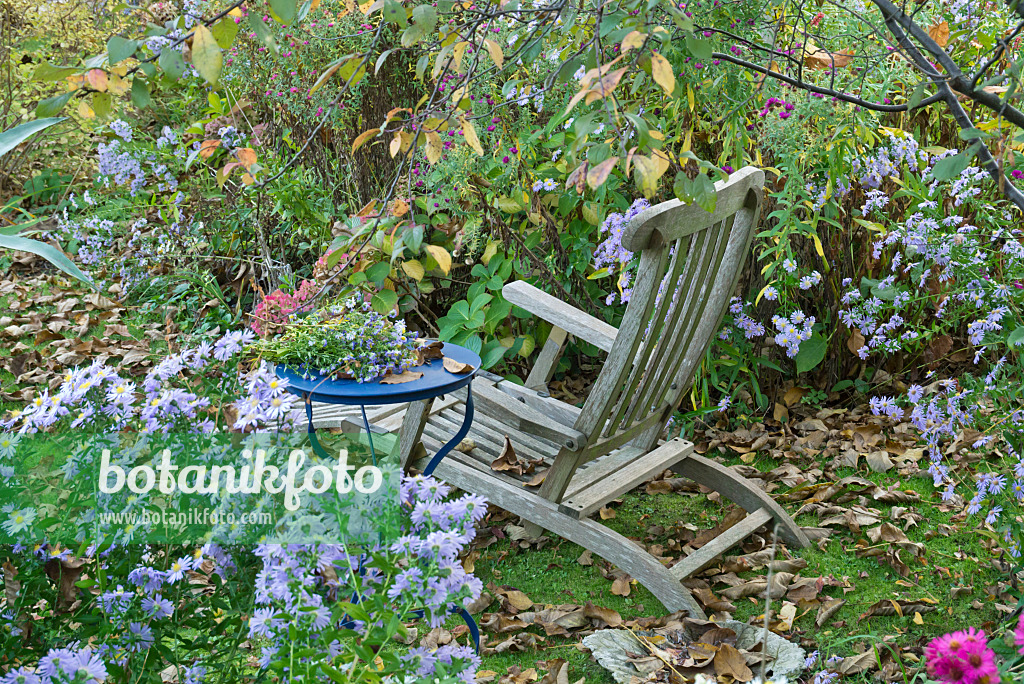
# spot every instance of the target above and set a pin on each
(435, 381)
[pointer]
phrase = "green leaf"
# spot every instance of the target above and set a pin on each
(283, 10)
(224, 32)
(46, 251)
(950, 167)
(916, 96)
(172, 63)
(102, 103)
(698, 47)
(206, 55)
(49, 72)
(51, 106)
(1016, 338)
(13, 137)
(811, 353)
(384, 301)
(120, 49)
(425, 18)
(493, 352)
(140, 93)
(394, 11)
(262, 31)
(703, 192)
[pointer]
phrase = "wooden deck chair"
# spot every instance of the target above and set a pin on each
(597, 453)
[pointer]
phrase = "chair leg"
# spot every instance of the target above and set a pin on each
(589, 534)
(415, 420)
(739, 489)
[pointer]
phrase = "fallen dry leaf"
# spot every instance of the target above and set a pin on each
(457, 367)
(406, 376)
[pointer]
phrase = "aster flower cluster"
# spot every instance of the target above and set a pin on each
(345, 340)
(417, 574)
(99, 396)
(611, 255)
(71, 665)
(961, 270)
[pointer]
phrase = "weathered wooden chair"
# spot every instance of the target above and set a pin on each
(610, 446)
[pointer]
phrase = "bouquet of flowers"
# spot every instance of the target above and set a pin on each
(345, 340)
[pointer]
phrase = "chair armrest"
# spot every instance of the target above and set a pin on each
(555, 311)
(515, 414)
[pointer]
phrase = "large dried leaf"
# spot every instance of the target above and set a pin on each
(403, 377)
(457, 367)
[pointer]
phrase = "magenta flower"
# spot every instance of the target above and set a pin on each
(1017, 174)
(962, 658)
(1018, 635)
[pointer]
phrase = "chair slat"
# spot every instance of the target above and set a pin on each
(655, 329)
(710, 261)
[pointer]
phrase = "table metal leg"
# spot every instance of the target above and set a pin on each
(314, 442)
(459, 436)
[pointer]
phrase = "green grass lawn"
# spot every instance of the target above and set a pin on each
(552, 575)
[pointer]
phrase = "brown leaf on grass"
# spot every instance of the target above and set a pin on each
(805, 589)
(672, 485)
(557, 671)
(457, 367)
(519, 642)
(879, 461)
(606, 513)
(888, 607)
(858, 663)
(480, 604)
(729, 662)
(827, 609)
(605, 617)
(586, 558)
(515, 601)
(400, 378)
(621, 586)
(499, 623)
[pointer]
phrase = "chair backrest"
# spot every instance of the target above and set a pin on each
(690, 261)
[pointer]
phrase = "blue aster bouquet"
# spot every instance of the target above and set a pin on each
(346, 341)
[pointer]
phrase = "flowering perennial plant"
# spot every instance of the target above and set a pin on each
(346, 340)
(310, 630)
(969, 657)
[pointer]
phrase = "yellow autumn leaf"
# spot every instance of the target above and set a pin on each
(818, 247)
(633, 40)
(661, 70)
(441, 256)
(434, 147)
(206, 54)
(469, 132)
(363, 137)
(414, 269)
(495, 50)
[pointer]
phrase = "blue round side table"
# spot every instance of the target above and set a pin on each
(436, 382)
